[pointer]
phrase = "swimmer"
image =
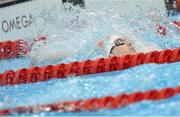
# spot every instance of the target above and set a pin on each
(113, 46)
(117, 46)
(122, 45)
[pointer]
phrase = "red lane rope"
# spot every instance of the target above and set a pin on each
(12, 49)
(17, 48)
(38, 74)
(94, 104)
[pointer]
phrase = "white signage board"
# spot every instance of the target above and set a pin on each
(17, 20)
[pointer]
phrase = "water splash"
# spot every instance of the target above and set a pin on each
(76, 30)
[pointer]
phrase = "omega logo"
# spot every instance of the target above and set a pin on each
(17, 23)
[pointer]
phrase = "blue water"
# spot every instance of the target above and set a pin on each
(140, 78)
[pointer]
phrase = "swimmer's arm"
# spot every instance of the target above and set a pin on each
(100, 47)
(58, 55)
(101, 43)
(53, 56)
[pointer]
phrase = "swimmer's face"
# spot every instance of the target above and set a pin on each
(122, 47)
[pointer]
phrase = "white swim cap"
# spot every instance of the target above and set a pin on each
(110, 42)
(138, 44)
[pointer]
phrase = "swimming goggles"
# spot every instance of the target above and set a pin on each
(117, 42)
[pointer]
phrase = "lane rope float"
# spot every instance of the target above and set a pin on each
(12, 49)
(100, 65)
(17, 48)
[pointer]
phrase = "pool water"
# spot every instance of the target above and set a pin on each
(82, 33)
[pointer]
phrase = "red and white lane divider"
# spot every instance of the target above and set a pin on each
(39, 74)
(163, 31)
(11, 49)
(94, 104)
(17, 48)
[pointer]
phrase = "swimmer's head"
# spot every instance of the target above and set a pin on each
(120, 45)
